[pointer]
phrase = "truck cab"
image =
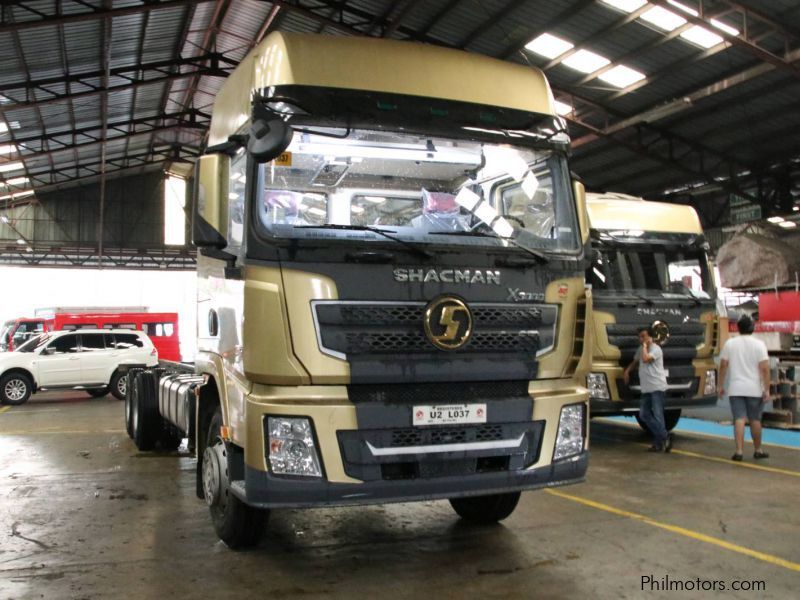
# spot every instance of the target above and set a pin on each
(391, 298)
(650, 268)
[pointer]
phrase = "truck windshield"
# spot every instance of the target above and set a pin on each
(667, 272)
(416, 188)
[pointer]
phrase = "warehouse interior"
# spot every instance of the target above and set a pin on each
(106, 109)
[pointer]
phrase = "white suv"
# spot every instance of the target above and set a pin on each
(91, 360)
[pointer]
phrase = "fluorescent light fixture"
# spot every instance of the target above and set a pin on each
(627, 6)
(4, 219)
(682, 7)
(7, 149)
(563, 109)
(622, 76)
(13, 166)
(586, 61)
(795, 208)
(356, 209)
(21, 242)
(17, 181)
(701, 36)
(549, 45)
(775, 219)
(4, 99)
(12, 124)
(787, 224)
(723, 27)
(663, 19)
(22, 194)
(375, 199)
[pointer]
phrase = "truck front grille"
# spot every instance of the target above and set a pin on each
(386, 328)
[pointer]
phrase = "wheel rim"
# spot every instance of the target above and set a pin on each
(122, 385)
(15, 389)
(211, 477)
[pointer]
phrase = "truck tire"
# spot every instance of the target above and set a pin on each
(15, 388)
(145, 420)
(484, 510)
(131, 375)
(671, 418)
(118, 385)
(98, 392)
(236, 523)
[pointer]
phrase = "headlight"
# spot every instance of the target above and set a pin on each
(598, 386)
(570, 432)
(711, 383)
(291, 447)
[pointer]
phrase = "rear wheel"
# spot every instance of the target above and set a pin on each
(15, 388)
(236, 523)
(485, 509)
(145, 420)
(119, 385)
(98, 393)
(129, 391)
(671, 418)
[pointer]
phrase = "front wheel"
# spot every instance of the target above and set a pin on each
(236, 523)
(671, 418)
(15, 388)
(485, 509)
(98, 393)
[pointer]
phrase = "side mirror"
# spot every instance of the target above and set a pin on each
(580, 204)
(268, 139)
(210, 214)
(48, 351)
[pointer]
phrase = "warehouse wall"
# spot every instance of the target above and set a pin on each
(133, 215)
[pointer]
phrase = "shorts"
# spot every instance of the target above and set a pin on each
(751, 406)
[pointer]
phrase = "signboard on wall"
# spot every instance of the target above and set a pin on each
(742, 210)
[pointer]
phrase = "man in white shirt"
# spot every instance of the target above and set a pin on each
(653, 382)
(748, 389)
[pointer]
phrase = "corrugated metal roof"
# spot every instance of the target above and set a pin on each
(718, 124)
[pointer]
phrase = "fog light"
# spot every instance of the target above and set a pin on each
(598, 386)
(570, 432)
(291, 447)
(710, 387)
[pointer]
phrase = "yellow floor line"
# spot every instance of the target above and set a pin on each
(769, 558)
(737, 464)
(66, 431)
(4, 409)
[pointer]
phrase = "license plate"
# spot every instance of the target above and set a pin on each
(449, 414)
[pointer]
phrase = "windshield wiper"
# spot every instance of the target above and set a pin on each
(387, 234)
(540, 257)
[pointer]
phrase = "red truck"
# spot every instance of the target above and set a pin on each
(161, 327)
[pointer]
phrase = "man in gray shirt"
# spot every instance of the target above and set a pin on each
(653, 381)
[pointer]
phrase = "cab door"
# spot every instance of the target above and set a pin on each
(59, 362)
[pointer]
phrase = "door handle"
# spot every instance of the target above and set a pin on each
(74, 357)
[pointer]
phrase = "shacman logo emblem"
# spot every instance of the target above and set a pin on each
(448, 322)
(660, 332)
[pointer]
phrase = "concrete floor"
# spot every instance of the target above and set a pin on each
(85, 515)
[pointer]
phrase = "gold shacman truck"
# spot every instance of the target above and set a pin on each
(650, 268)
(391, 300)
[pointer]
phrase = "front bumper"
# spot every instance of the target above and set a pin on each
(619, 407)
(264, 490)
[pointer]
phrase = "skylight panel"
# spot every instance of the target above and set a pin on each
(622, 76)
(586, 61)
(663, 19)
(702, 36)
(627, 6)
(682, 7)
(13, 166)
(17, 181)
(7, 148)
(562, 108)
(549, 45)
